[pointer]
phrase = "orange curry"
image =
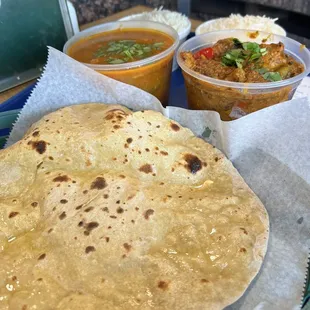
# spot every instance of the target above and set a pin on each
(126, 46)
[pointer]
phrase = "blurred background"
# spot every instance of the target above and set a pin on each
(294, 15)
(24, 37)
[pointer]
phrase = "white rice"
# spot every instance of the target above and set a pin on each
(174, 19)
(237, 21)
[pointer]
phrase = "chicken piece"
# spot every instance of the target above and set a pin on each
(208, 67)
(295, 67)
(275, 57)
(237, 75)
(189, 59)
(284, 72)
(213, 68)
(221, 47)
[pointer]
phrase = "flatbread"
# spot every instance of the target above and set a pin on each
(103, 208)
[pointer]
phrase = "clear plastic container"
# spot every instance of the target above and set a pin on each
(232, 99)
(151, 74)
(182, 36)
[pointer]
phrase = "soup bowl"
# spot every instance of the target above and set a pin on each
(151, 74)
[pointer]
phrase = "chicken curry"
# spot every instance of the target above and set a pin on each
(246, 62)
(242, 62)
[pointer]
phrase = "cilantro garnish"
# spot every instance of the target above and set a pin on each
(249, 51)
(269, 76)
(235, 57)
(272, 76)
(251, 46)
(126, 50)
(261, 71)
(237, 43)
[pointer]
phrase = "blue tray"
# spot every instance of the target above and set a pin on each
(9, 111)
(17, 101)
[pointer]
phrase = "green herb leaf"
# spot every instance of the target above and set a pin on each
(116, 61)
(272, 76)
(128, 50)
(261, 70)
(249, 51)
(255, 56)
(251, 46)
(99, 53)
(239, 63)
(235, 57)
(158, 45)
(127, 41)
(263, 51)
(269, 76)
(237, 43)
(128, 54)
(112, 49)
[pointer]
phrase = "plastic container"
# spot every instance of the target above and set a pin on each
(151, 74)
(232, 99)
(199, 29)
(182, 36)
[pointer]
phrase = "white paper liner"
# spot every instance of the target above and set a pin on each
(270, 148)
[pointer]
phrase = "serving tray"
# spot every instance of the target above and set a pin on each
(10, 109)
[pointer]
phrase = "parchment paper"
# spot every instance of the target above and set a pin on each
(270, 148)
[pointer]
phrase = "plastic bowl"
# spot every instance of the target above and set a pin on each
(182, 36)
(233, 99)
(151, 74)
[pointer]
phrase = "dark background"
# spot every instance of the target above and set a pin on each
(294, 15)
(24, 36)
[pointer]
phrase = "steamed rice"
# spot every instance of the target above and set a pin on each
(176, 20)
(237, 21)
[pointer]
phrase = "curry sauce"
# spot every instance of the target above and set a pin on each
(128, 46)
(240, 62)
(120, 46)
(247, 62)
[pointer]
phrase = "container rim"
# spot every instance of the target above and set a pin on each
(123, 25)
(267, 85)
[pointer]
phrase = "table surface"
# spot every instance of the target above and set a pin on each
(134, 10)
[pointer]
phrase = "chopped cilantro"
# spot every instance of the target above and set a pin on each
(272, 76)
(251, 46)
(269, 76)
(237, 43)
(127, 50)
(249, 51)
(261, 70)
(116, 61)
(234, 57)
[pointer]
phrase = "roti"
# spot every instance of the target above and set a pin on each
(104, 208)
